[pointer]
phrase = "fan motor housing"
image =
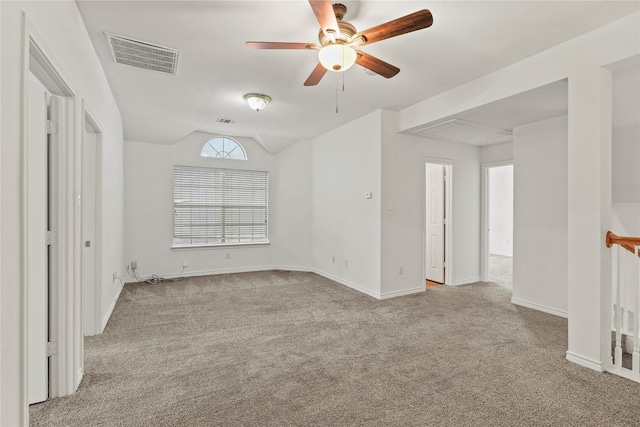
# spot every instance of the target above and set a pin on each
(347, 30)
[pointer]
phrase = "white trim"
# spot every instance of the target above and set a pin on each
(403, 292)
(538, 307)
(623, 372)
(107, 315)
(585, 362)
(218, 246)
(132, 279)
(346, 283)
(466, 281)
(65, 319)
(292, 268)
(24, 270)
(265, 268)
(97, 239)
(272, 268)
(79, 376)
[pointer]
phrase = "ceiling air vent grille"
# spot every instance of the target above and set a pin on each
(143, 55)
(226, 121)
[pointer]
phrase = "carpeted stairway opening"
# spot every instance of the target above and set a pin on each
(282, 348)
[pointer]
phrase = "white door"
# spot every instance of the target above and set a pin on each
(37, 268)
(88, 231)
(435, 223)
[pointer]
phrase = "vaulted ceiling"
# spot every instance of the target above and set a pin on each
(467, 40)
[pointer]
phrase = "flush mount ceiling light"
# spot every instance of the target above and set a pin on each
(257, 101)
(337, 57)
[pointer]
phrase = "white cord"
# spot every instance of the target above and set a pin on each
(154, 279)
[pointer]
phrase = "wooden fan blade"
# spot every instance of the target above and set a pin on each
(323, 9)
(316, 75)
(416, 21)
(376, 65)
(281, 45)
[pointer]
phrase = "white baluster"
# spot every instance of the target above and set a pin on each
(618, 320)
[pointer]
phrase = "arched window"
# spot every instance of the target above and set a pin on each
(223, 148)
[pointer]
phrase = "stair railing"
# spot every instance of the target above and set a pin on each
(625, 261)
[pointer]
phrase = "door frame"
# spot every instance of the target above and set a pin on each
(448, 209)
(95, 326)
(65, 322)
(484, 220)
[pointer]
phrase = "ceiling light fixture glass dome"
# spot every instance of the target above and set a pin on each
(337, 57)
(257, 101)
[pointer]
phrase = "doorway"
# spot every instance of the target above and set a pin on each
(51, 267)
(437, 224)
(498, 253)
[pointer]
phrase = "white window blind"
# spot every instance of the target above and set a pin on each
(219, 206)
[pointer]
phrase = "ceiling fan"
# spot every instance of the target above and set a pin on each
(339, 40)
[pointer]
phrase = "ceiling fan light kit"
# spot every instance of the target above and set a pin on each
(257, 101)
(337, 57)
(339, 40)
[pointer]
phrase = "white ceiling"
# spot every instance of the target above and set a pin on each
(467, 40)
(540, 104)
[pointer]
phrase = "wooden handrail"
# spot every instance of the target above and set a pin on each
(626, 242)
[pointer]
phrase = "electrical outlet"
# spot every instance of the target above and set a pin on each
(333, 259)
(115, 276)
(228, 255)
(134, 265)
(185, 263)
(400, 271)
(346, 263)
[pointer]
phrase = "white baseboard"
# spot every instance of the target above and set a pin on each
(284, 268)
(107, 316)
(467, 281)
(539, 307)
(346, 283)
(500, 254)
(222, 271)
(586, 362)
(403, 292)
(79, 376)
(291, 268)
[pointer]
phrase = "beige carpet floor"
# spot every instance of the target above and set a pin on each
(295, 349)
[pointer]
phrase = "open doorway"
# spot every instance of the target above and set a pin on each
(51, 173)
(437, 224)
(499, 224)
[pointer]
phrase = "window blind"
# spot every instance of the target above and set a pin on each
(219, 206)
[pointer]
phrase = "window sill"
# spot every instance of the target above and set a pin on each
(220, 245)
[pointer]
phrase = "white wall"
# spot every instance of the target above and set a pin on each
(626, 157)
(501, 210)
(540, 215)
(626, 177)
(346, 165)
(292, 215)
(497, 153)
(403, 165)
(60, 26)
(149, 209)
